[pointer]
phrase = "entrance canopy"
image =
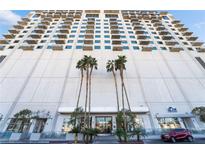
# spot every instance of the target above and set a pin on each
(64, 110)
(188, 115)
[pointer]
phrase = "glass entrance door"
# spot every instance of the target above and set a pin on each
(104, 124)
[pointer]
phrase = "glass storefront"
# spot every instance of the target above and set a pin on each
(169, 123)
(104, 124)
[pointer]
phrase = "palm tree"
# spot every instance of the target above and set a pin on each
(110, 66)
(120, 65)
(80, 65)
(93, 65)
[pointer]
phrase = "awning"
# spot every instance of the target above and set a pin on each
(188, 115)
(64, 110)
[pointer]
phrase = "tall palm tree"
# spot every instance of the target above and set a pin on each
(110, 66)
(93, 65)
(120, 65)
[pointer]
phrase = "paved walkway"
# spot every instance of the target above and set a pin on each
(105, 139)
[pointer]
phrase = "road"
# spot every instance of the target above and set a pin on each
(158, 141)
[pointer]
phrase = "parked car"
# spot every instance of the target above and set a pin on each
(177, 134)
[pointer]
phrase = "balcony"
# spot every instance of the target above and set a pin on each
(115, 31)
(138, 28)
(114, 27)
(35, 36)
(183, 29)
(192, 38)
(57, 47)
(111, 11)
(14, 31)
(139, 32)
(144, 42)
(171, 43)
(23, 23)
(175, 49)
(144, 48)
(175, 22)
(88, 41)
(187, 33)
(89, 36)
(39, 31)
(42, 26)
(161, 28)
(62, 36)
(65, 26)
(163, 13)
(197, 43)
(90, 27)
(116, 42)
(25, 19)
(2, 48)
(59, 41)
(179, 25)
(9, 36)
(27, 47)
(167, 37)
(31, 41)
(117, 48)
(89, 31)
(64, 31)
(141, 37)
(4, 42)
(87, 48)
(158, 24)
(45, 22)
(155, 20)
(18, 27)
(92, 11)
(201, 49)
(164, 33)
(115, 37)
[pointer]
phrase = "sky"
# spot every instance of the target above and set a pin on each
(194, 20)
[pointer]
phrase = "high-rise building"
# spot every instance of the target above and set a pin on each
(164, 76)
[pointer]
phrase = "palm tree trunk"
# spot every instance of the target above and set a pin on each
(79, 93)
(89, 107)
(128, 102)
(123, 103)
(116, 90)
(86, 97)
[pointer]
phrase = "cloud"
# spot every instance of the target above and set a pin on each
(200, 25)
(8, 18)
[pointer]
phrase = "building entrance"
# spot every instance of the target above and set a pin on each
(104, 124)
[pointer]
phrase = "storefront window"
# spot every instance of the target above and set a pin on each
(104, 124)
(39, 125)
(169, 123)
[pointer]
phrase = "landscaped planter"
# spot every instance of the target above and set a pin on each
(15, 136)
(35, 136)
(71, 137)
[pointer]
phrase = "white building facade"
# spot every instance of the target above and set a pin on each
(164, 76)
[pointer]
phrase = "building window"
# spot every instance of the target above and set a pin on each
(68, 47)
(97, 41)
(107, 41)
(79, 47)
(106, 36)
(70, 41)
(97, 36)
(80, 41)
(125, 48)
(97, 47)
(108, 47)
(39, 47)
(134, 42)
(163, 48)
(11, 47)
(154, 48)
(136, 48)
(72, 36)
(132, 36)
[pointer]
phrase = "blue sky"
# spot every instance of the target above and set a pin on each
(194, 20)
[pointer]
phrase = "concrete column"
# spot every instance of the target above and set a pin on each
(181, 122)
(93, 122)
(33, 122)
(114, 125)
